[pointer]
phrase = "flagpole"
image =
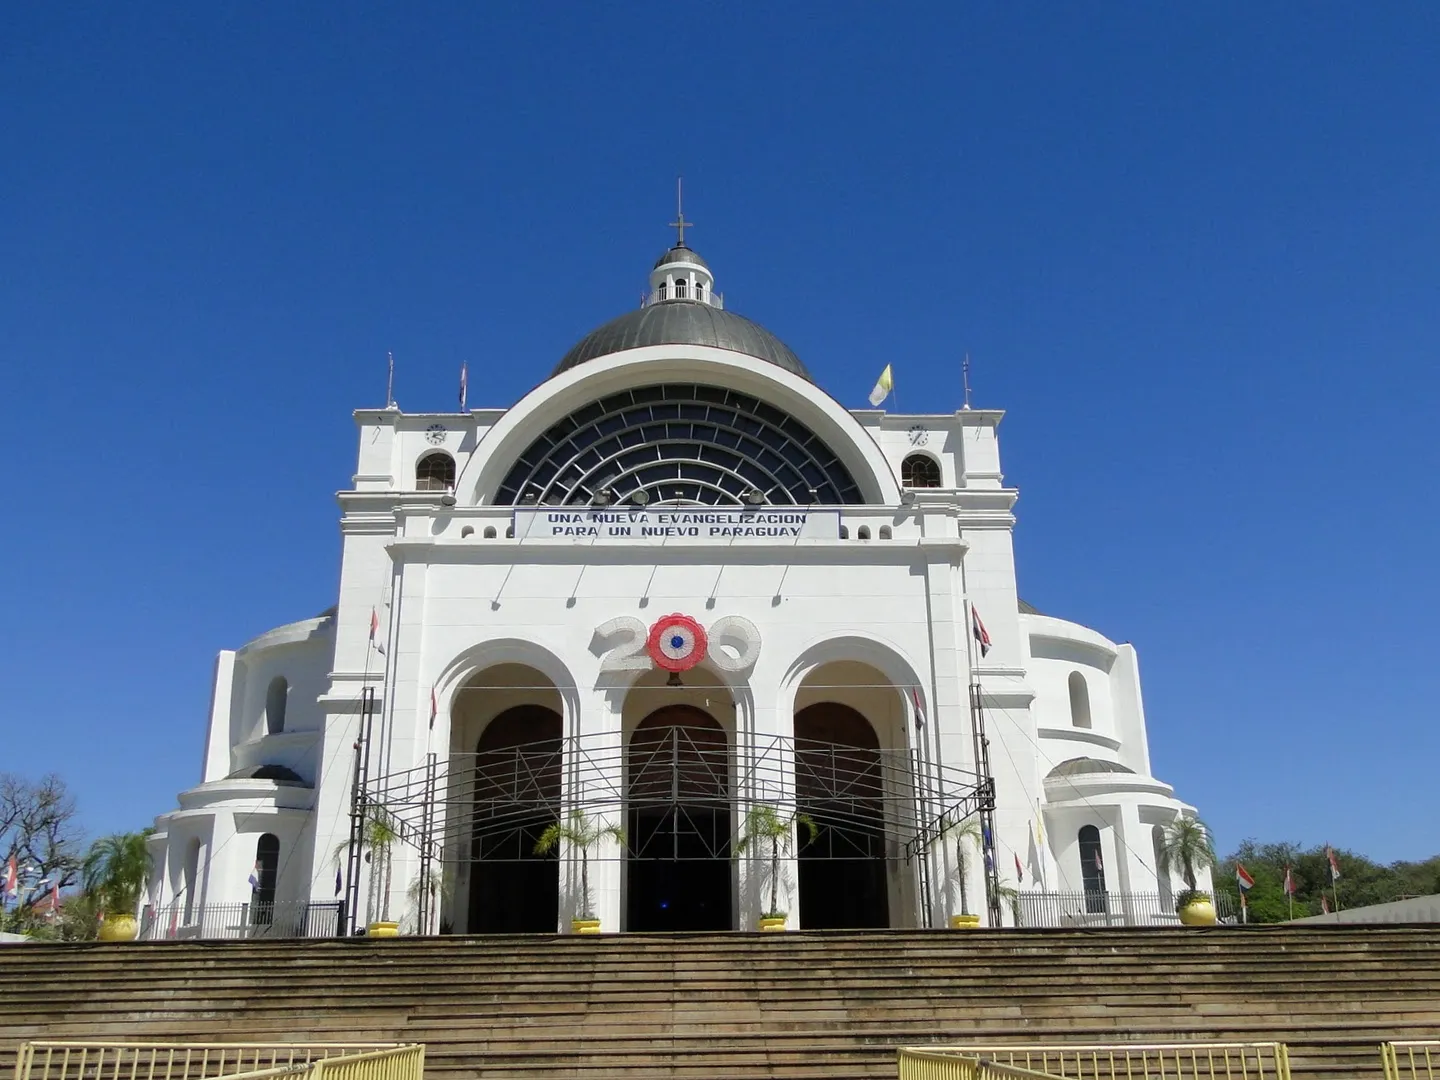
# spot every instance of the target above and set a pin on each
(390, 382)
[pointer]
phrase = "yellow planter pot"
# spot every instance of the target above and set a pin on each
(585, 926)
(118, 928)
(964, 922)
(773, 924)
(383, 929)
(1199, 912)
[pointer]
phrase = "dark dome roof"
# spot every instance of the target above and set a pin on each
(279, 773)
(681, 253)
(683, 322)
(1085, 766)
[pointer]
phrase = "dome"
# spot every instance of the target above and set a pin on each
(683, 322)
(1085, 766)
(680, 253)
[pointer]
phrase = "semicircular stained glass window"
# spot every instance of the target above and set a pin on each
(679, 444)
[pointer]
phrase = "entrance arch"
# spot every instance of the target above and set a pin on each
(516, 795)
(677, 797)
(839, 785)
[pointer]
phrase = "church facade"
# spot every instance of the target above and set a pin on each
(767, 650)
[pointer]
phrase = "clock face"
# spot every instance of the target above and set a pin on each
(919, 435)
(435, 434)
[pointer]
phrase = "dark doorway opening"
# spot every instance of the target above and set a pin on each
(678, 874)
(517, 795)
(842, 870)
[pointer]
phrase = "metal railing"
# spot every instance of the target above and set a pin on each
(1418, 1060)
(177, 921)
(1130, 1061)
(1059, 909)
(120, 1060)
(934, 1065)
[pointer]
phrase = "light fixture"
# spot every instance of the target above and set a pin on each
(907, 496)
(640, 498)
(447, 499)
(600, 498)
(814, 495)
(674, 679)
(755, 496)
(529, 499)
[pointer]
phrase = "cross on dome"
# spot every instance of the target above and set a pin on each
(680, 224)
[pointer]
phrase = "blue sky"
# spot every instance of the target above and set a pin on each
(1191, 249)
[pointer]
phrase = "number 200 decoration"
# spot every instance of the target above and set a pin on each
(678, 642)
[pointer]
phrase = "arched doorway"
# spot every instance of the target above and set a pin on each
(677, 796)
(838, 783)
(516, 795)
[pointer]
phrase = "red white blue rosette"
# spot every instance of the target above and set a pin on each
(676, 643)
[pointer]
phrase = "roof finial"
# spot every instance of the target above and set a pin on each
(680, 223)
(965, 375)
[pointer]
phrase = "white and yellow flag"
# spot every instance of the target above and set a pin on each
(883, 386)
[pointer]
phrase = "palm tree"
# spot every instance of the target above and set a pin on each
(1186, 842)
(116, 870)
(579, 832)
(379, 832)
(968, 837)
(764, 824)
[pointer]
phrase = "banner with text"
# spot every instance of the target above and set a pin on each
(660, 524)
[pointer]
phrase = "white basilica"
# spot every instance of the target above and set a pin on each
(681, 590)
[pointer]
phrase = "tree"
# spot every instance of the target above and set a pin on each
(968, 837)
(116, 869)
(38, 829)
(582, 834)
(1186, 843)
(379, 833)
(1362, 881)
(765, 824)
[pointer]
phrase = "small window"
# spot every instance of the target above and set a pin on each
(863, 533)
(679, 288)
(191, 879)
(920, 471)
(885, 532)
(662, 290)
(1092, 870)
(699, 290)
(435, 472)
(510, 532)
(1079, 701)
(467, 531)
(275, 699)
(844, 533)
(489, 532)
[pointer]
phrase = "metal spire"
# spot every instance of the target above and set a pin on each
(680, 223)
(965, 375)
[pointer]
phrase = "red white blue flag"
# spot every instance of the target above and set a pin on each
(1334, 863)
(919, 709)
(1289, 882)
(1243, 878)
(982, 637)
(12, 879)
(1019, 873)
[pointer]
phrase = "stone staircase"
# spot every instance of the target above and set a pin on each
(800, 1005)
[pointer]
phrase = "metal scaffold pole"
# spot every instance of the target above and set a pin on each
(357, 810)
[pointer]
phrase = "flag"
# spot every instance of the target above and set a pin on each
(12, 879)
(434, 708)
(1289, 882)
(464, 384)
(1039, 825)
(977, 628)
(1099, 866)
(339, 885)
(1019, 873)
(1334, 864)
(1324, 904)
(883, 386)
(255, 877)
(1243, 879)
(374, 623)
(987, 842)
(919, 709)
(55, 900)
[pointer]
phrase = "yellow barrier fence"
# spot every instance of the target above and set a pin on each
(1411, 1060)
(1132, 1061)
(937, 1065)
(96, 1060)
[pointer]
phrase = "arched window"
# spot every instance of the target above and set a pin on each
(662, 290)
(192, 879)
(679, 288)
(863, 533)
(489, 532)
(1079, 701)
(1092, 869)
(699, 290)
(844, 532)
(435, 472)
(920, 471)
(275, 699)
(1162, 868)
(267, 869)
(884, 532)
